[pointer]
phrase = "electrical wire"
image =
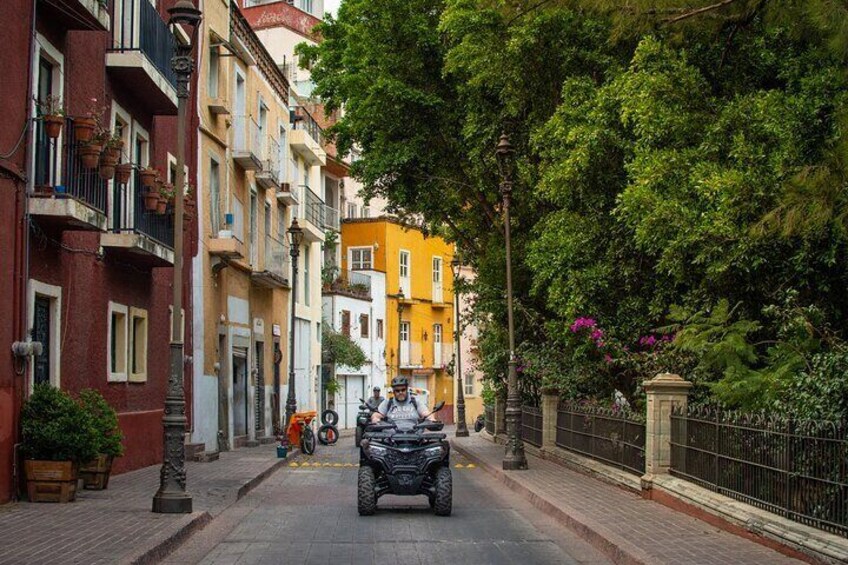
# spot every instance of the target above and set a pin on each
(18, 144)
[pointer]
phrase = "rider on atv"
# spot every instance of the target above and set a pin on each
(402, 406)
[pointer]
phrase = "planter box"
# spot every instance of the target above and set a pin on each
(95, 473)
(51, 481)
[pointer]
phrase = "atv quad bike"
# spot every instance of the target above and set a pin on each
(407, 459)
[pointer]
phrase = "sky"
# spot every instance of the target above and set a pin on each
(332, 6)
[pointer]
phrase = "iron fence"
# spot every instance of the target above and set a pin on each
(138, 26)
(489, 418)
(305, 121)
(131, 215)
(313, 208)
(614, 437)
(531, 425)
(351, 283)
(794, 468)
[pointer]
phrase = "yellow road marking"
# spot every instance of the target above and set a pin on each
(293, 464)
(458, 466)
(471, 466)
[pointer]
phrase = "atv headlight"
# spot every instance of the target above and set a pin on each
(376, 450)
(435, 451)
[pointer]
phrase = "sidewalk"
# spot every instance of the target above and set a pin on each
(117, 526)
(626, 527)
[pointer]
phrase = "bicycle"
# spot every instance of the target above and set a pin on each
(300, 431)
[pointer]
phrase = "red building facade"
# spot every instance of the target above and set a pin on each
(86, 266)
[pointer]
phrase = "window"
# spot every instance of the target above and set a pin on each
(215, 195)
(366, 212)
(306, 274)
(138, 345)
(346, 322)
(118, 342)
(238, 220)
(360, 258)
(47, 77)
(379, 329)
(437, 333)
(214, 66)
(281, 155)
(364, 325)
(468, 383)
(404, 272)
(306, 5)
(351, 210)
(437, 269)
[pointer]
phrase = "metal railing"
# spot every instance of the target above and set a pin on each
(276, 257)
(489, 418)
(77, 182)
(247, 136)
(138, 26)
(332, 218)
(794, 468)
(313, 208)
(531, 425)
(305, 121)
(615, 437)
(352, 283)
(130, 215)
(272, 159)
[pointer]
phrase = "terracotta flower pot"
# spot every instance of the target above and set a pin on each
(189, 204)
(147, 176)
(151, 201)
(51, 481)
(162, 205)
(53, 126)
(123, 172)
(83, 129)
(95, 474)
(89, 155)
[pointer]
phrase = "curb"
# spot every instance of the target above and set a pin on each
(614, 547)
(196, 521)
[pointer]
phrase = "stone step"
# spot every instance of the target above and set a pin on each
(192, 449)
(206, 456)
(267, 440)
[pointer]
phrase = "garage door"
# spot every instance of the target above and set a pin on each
(347, 399)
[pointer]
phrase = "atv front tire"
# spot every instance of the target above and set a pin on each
(366, 501)
(443, 499)
(358, 435)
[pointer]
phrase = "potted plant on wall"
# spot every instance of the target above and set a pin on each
(123, 171)
(147, 176)
(151, 196)
(95, 473)
(85, 126)
(166, 196)
(57, 434)
(52, 114)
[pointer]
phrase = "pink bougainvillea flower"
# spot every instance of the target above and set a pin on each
(608, 358)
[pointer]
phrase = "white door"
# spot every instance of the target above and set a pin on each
(404, 344)
(438, 295)
(347, 399)
(405, 273)
(302, 364)
(423, 395)
(438, 362)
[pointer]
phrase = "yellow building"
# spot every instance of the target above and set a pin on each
(419, 334)
(242, 271)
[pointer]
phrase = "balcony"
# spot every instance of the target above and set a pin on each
(286, 195)
(305, 138)
(332, 219)
(442, 354)
(140, 55)
(269, 176)
(139, 236)
(77, 201)
(411, 355)
(351, 284)
(313, 213)
(275, 271)
(83, 15)
(247, 143)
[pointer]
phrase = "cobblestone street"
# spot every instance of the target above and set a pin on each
(306, 513)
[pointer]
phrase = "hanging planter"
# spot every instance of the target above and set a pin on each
(89, 155)
(114, 146)
(123, 172)
(107, 166)
(151, 200)
(147, 176)
(53, 125)
(84, 129)
(162, 205)
(189, 204)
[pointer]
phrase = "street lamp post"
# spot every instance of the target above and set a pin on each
(400, 298)
(514, 458)
(461, 426)
(295, 239)
(172, 498)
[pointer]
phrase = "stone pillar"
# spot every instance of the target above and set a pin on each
(665, 391)
(550, 405)
(500, 416)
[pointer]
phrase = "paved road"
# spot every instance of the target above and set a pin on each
(307, 514)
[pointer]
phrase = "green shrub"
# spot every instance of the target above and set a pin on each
(56, 428)
(105, 422)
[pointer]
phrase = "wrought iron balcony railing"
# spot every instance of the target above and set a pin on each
(138, 26)
(130, 214)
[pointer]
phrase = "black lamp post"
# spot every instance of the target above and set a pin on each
(461, 425)
(514, 458)
(295, 240)
(400, 299)
(172, 498)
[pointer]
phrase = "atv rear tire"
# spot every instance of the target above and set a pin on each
(366, 501)
(444, 492)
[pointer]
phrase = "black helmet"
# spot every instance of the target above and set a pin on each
(400, 381)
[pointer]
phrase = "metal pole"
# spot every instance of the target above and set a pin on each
(291, 397)
(514, 458)
(172, 497)
(461, 425)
